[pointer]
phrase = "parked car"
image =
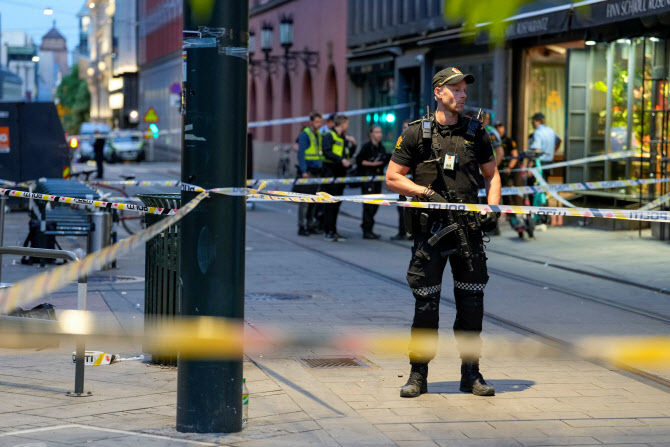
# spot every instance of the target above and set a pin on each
(124, 148)
(84, 150)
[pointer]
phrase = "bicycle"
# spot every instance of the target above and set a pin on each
(284, 164)
(131, 221)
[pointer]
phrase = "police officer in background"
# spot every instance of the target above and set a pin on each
(337, 150)
(310, 160)
(445, 153)
(371, 160)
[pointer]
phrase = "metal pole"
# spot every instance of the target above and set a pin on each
(2, 229)
(214, 136)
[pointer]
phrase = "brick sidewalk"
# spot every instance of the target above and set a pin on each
(539, 401)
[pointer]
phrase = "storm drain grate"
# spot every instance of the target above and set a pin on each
(332, 362)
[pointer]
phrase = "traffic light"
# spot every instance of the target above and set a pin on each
(154, 129)
(389, 117)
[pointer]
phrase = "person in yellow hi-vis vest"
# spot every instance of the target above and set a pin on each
(310, 162)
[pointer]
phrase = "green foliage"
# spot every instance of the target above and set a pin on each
(74, 101)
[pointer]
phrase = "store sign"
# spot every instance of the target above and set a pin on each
(538, 24)
(617, 10)
(4, 140)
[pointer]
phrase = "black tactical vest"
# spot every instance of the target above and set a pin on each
(465, 178)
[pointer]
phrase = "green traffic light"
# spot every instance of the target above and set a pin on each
(368, 117)
(390, 118)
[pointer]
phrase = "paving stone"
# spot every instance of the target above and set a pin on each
(477, 443)
(566, 440)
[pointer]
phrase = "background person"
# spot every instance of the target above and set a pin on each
(99, 149)
(402, 231)
(371, 160)
(337, 150)
(309, 165)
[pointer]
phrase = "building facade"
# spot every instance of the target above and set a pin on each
(598, 71)
(112, 68)
(52, 64)
(298, 64)
(160, 42)
(17, 56)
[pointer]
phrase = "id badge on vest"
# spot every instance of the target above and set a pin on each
(450, 161)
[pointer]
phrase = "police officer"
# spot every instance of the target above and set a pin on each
(445, 153)
(337, 150)
(310, 159)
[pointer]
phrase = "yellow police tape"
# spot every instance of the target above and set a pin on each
(88, 202)
(221, 338)
(322, 197)
(34, 287)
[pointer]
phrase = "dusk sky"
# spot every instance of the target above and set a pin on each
(27, 15)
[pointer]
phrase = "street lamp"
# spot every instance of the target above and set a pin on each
(36, 58)
(266, 39)
(48, 11)
(286, 32)
(91, 5)
(289, 58)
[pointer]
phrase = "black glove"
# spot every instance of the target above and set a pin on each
(429, 195)
(489, 221)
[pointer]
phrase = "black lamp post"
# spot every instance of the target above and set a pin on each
(289, 58)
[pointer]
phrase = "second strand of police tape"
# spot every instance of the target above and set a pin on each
(223, 338)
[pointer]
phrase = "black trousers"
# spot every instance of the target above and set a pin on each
(306, 211)
(331, 210)
(425, 279)
(369, 211)
(98, 163)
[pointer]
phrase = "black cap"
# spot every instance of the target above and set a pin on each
(499, 123)
(539, 116)
(331, 117)
(451, 75)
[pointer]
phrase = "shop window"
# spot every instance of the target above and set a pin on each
(598, 100)
(547, 94)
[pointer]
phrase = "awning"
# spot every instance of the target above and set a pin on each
(370, 64)
(546, 21)
(611, 11)
(542, 21)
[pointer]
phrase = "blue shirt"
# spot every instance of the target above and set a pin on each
(303, 144)
(544, 139)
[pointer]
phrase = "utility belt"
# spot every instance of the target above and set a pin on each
(440, 223)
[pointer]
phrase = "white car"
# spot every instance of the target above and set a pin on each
(124, 148)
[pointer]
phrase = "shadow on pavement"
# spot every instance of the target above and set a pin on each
(501, 386)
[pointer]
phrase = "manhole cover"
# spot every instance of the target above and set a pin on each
(274, 297)
(114, 278)
(332, 362)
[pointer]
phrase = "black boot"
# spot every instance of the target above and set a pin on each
(473, 382)
(417, 384)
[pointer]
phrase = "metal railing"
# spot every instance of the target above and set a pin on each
(82, 288)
